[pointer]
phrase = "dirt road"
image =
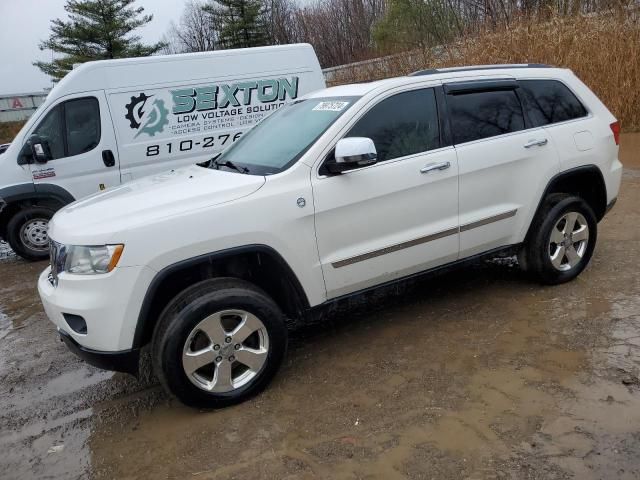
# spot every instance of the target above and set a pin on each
(476, 374)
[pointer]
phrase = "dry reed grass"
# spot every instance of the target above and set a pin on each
(8, 131)
(603, 50)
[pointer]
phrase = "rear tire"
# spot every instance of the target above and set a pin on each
(562, 239)
(27, 232)
(218, 343)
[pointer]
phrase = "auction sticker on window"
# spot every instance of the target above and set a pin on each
(330, 106)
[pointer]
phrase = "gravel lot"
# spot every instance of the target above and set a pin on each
(475, 374)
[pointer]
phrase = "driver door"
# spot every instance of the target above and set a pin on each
(80, 138)
(396, 217)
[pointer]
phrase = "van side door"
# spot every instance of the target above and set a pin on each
(79, 134)
(504, 161)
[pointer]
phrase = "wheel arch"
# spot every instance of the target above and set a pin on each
(259, 264)
(14, 197)
(586, 182)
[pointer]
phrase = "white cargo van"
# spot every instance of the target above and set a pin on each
(112, 121)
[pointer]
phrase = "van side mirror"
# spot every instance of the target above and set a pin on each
(40, 150)
(353, 152)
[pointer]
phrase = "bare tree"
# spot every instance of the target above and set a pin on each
(346, 31)
(197, 31)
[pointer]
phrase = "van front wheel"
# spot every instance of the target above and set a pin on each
(218, 343)
(27, 232)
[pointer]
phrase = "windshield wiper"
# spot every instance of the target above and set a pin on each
(230, 164)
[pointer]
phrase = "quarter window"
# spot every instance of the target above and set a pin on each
(550, 101)
(404, 124)
(484, 114)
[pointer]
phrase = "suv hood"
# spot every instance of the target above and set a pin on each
(98, 218)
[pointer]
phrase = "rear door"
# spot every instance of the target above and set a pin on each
(552, 105)
(503, 159)
(80, 135)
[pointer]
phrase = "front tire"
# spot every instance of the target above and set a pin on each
(563, 237)
(27, 232)
(218, 343)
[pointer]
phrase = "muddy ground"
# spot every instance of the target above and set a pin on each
(475, 374)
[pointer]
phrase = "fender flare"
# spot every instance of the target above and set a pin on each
(145, 322)
(590, 169)
(27, 191)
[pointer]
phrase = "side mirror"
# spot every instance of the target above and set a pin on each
(40, 150)
(353, 152)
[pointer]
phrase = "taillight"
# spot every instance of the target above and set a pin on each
(615, 128)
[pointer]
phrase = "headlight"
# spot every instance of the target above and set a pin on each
(90, 260)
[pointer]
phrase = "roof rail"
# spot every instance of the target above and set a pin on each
(433, 71)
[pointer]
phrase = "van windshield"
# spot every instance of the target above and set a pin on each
(283, 137)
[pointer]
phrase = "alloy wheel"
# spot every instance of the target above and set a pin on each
(569, 240)
(225, 351)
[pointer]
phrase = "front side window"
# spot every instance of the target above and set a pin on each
(279, 140)
(550, 101)
(50, 130)
(71, 128)
(484, 114)
(82, 125)
(401, 125)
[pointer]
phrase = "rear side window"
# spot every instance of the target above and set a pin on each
(550, 101)
(484, 114)
(401, 125)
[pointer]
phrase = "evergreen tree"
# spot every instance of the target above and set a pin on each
(96, 30)
(243, 22)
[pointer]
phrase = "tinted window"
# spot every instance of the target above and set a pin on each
(401, 125)
(50, 130)
(82, 119)
(550, 101)
(484, 114)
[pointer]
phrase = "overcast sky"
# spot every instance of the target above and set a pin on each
(24, 23)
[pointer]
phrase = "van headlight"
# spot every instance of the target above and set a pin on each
(91, 260)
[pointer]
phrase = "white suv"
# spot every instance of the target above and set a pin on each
(346, 189)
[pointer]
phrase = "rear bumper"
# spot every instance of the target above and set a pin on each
(124, 361)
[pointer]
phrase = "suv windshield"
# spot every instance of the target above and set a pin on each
(283, 137)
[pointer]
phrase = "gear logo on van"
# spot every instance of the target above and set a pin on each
(154, 122)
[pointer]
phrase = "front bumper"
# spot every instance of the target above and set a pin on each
(109, 304)
(125, 361)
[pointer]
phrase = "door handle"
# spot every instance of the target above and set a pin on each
(430, 167)
(108, 158)
(534, 143)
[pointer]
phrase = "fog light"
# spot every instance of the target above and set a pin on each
(76, 322)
